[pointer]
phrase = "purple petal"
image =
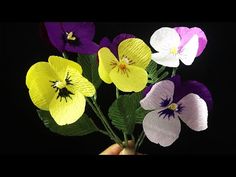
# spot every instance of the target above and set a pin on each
(146, 90)
(185, 88)
(194, 113)
(105, 42)
(55, 35)
(159, 130)
(82, 30)
(117, 40)
(186, 34)
(88, 48)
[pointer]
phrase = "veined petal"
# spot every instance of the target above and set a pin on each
(163, 90)
(189, 51)
(38, 82)
(40, 70)
(107, 61)
(194, 112)
(67, 111)
(164, 59)
(79, 83)
(60, 64)
(160, 130)
(135, 52)
(41, 92)
(164, 39)
(131, 79)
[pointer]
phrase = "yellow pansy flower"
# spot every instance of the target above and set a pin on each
(58, 86)
(128, 72)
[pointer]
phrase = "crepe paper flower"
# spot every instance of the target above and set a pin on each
(72, 37)
(58, 86)
(113, 46)
(187, 33)
(171, 100)
(128, 71)
(167, 42)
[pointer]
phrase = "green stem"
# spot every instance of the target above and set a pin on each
(125, 140)
(173, 72)
(64, 55)
(140, 140)
(105, 122)
(117, 93)
(98, 115)
(98, 129)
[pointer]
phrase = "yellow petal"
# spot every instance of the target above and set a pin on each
(79, 83)
(135, 52)
(107, 61)
(67, 112)
(133, 79)
(42, 70)
(38, 81)
(60, 64)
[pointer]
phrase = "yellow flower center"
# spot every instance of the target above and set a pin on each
(60, 84)
(173, 106)
(70, 36)
(174, 51)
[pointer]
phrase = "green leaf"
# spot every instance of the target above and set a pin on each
(89, 65)
(122, 112)
(140, 113)
(81, 127)
(152, 71)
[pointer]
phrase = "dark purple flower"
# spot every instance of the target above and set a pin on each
(113, 46)
(171, 100)
(75, 37)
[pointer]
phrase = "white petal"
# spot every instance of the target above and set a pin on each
(159, 92)
(161, 131)
(189, 51)
(164, 39)
(168, 60)
(194, 112)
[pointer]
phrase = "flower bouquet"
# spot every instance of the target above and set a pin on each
(147, 93)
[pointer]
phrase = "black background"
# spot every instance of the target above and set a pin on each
(23, 133)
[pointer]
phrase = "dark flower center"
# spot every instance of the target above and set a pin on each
(71, 38)
(171, 109)
(60, 87)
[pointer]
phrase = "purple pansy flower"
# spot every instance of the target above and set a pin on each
(113, 46)
(187, 33)
(72, 37)
(171, 100)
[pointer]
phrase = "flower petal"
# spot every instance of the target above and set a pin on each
(164, 59)
(186, 34)
(105, 42)
(83, 30)
(85, 47)
(184, 88)
(165, 39)
(106, 61)
(117, 40)
(38, 81)
(67, 112)
(194, 112)
(160, 91)
(136, 51)
(56, 35)
(134, 79)
(189, 51)
(60, 65)
(80, 83)
(161, 131)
